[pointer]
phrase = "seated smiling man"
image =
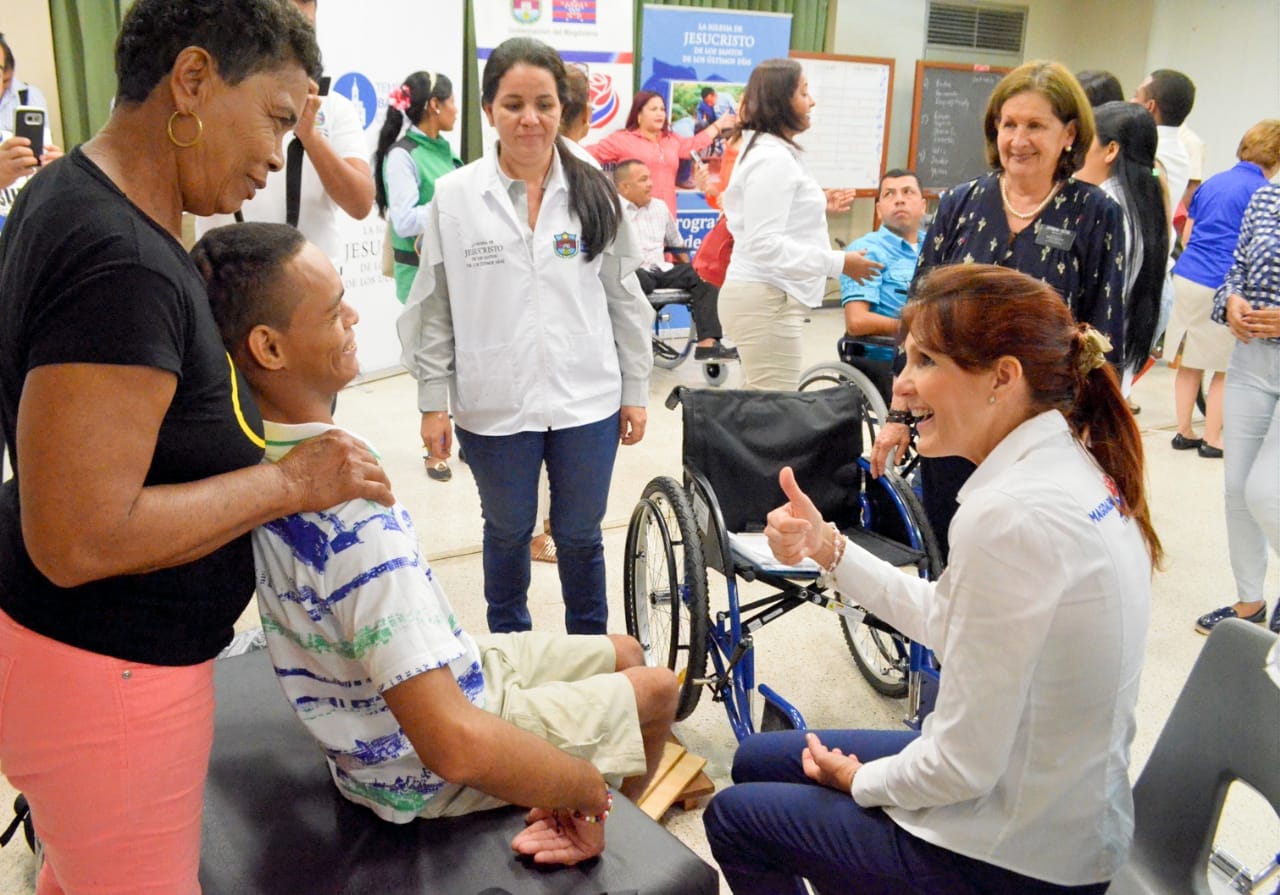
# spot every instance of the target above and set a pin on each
(416, 717)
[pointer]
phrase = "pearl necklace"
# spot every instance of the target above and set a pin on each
(1008, 206)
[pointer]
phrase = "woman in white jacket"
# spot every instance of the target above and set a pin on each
(1018, 781)
(526, 320)
(776, 212)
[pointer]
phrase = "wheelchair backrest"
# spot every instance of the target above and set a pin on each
(739, 440)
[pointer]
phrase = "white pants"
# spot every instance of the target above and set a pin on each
(765, 325)
(1251, 444)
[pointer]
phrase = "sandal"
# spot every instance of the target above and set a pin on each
(438, 469)
(542, 548)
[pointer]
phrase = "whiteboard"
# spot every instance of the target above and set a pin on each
(847, 144)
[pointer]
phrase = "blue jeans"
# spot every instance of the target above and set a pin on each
(775, 826)
(579, 468)
(1251, 447)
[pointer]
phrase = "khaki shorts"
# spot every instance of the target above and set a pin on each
(563, 689)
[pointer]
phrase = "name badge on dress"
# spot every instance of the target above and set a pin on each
(1055, 238)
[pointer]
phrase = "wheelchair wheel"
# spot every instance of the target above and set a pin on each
(881, 653)
(715, 374)
(670, 351)
(881, 656)
(829, 373)
(665, 587)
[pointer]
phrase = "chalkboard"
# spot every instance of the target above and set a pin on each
(947, 145)
(847, 142)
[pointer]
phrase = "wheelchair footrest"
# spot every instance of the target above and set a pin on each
(893, 552)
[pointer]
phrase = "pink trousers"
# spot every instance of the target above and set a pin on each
(112, 757)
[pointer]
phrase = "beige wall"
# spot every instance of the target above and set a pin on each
(1231, 49)
(31, 37)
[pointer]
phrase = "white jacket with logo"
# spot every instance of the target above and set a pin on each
(514, 327)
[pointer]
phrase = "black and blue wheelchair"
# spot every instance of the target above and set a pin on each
(674, 335)
(734, 444)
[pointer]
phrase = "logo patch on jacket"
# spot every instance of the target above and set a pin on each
(566, 244)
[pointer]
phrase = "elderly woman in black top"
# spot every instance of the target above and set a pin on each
(125, 556)
(1030, 214)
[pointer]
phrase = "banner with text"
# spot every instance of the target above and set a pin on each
(369, 49)
(595, 35)
(703, 57)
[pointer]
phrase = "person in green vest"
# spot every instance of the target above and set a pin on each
(406, 165)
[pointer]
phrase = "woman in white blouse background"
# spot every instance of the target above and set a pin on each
(1018, 780)
(776, 212)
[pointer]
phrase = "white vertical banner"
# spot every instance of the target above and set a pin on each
(595, 35)
(368, 49)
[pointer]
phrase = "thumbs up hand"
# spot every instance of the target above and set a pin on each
(795, 530)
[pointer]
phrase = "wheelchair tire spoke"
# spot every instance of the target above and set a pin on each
(665, 587)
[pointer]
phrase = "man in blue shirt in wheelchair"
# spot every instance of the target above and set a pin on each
(872, 308)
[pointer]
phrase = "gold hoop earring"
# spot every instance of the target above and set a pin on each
(174, 140)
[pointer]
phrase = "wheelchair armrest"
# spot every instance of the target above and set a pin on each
(869, 341)
(660, 298)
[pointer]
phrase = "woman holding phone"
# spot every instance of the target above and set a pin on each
(123, 567)
(648, 138)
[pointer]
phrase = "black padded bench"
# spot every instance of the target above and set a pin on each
(274, 824)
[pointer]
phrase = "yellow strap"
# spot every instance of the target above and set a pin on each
(235, 405)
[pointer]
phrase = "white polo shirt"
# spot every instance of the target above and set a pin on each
(1171, 153)
(1040, 623)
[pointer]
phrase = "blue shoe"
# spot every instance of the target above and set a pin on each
(1275, 619)
(1205, 623)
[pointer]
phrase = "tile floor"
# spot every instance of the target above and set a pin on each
(803, 655)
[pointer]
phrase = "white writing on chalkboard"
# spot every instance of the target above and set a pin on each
(947, 124)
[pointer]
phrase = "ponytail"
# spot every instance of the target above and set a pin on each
(592, 198)
(977, 313)
(408, 101)
(1100, 418)
(387, 138)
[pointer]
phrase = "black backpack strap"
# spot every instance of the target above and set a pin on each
(401, 255)
(293, 181)
(22, 818)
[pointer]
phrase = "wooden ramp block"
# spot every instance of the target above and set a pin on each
(679, 778)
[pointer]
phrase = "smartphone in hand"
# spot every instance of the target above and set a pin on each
(323, 84)
(28, 122)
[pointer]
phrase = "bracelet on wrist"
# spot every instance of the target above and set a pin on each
(898, 416)
(837, 550)
(603, 815)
